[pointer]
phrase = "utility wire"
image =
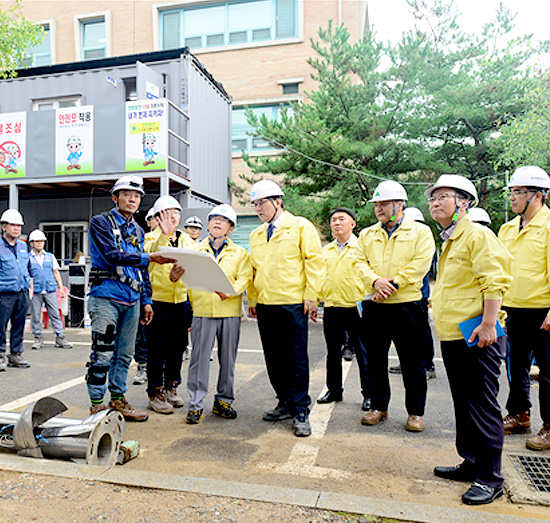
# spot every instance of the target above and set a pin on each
(362, 173)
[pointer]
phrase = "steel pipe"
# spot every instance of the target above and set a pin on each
(38, 432)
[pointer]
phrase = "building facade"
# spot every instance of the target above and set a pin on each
(68, 131)
(256, 48)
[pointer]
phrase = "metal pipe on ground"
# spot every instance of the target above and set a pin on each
(38, 432)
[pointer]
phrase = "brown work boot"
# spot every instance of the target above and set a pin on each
(129, 413)
(159, 403)
(94, 409)
(541, 440)
(517, 423)
(172, 395)
(415, 423)
(373, 417)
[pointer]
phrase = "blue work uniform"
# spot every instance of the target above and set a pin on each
(15, 280)
(119, 280)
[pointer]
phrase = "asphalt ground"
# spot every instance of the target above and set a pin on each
(343, 466)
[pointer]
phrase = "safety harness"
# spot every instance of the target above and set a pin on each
(98, 276)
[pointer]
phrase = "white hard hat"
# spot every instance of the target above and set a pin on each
(415, 214)
(74, 139)
(166, 202)
(12, 216)
(150, 214)
(479, 215)
(265, 189)
(454, 181)
(37, 236)
(129, 183)
(530, 176)
(193, 221)
(224, 210)
(389, 190)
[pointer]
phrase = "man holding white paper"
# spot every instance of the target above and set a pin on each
(473, 275)
(217, 316)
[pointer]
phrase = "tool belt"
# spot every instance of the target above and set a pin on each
(98, 276)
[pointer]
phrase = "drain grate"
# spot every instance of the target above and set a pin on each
(534, 470)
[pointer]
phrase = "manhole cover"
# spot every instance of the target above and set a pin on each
(534, 470)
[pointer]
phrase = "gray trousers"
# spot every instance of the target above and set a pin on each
(204, 332)
(52, 307)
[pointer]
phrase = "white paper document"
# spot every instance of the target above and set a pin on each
(202, 273)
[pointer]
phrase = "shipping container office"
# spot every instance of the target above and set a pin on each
(109, 112)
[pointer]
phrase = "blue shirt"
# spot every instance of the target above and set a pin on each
(105, 254)
(217, 251)
(391, 231)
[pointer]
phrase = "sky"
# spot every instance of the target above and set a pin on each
(389, 18)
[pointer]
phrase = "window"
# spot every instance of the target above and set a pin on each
(66, 240)
(240, 139)
(130, 89)
(42, 53)
(94, 41)
(43, 104)
(291, 88)
(229, 23)
(291, 85)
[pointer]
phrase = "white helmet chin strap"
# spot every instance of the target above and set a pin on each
(527, 203)
(213, 238)
(395, 207)
(274, 214)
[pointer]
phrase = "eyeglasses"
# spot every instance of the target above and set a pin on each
(516, 192)
(172, 212)
(441, 198)
(258, 203)
(221, 219)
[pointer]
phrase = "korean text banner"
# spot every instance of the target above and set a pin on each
(74, 140)
(146, 135)
(13, 144)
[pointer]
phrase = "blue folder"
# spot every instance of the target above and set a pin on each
(468, 326)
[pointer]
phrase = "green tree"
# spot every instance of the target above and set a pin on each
(17, 36)
(526, 139)
(430, 104)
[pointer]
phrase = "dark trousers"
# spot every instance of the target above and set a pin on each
(527, 339)
(473, 378)
(140, 354)
(167, 337)
(284, 331)
(404, 324)
(428, 358)
(13, 306)
(336, 322)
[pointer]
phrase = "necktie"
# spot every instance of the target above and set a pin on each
(270, 229)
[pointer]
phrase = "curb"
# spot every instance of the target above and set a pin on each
(397, 510)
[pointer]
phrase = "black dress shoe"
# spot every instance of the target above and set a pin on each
(458, 473)
(366, 404)
(480, 494)
(329, 397)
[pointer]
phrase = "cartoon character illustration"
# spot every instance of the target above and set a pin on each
(74, 144)
(149, 153)
(13, 156)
